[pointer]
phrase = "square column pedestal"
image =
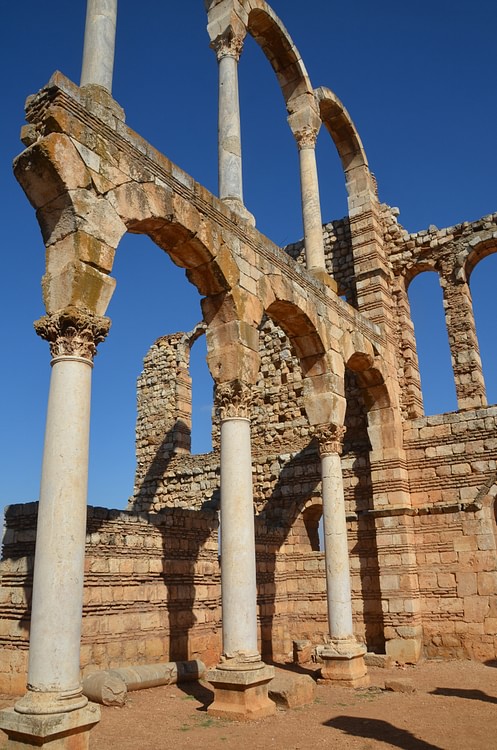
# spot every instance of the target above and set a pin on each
(64, 731)
(241, 693)
(343, 664)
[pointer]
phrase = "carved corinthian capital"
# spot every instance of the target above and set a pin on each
(330, 438)
(228, 45)
(233, 399)
(73, 332)
(307, 137)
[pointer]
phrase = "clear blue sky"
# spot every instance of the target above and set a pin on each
(417, 78)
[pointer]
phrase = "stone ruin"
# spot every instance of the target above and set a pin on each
(318, 414)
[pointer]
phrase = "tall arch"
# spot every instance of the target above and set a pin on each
(432, 343)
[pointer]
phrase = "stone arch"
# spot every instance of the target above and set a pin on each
(282, 303)
(178, 228)
(417, 269)
(340, 126)
(487, 246)
(301, 331)
(384, 418)
(270, 34)
(236, 18)
(359, 181)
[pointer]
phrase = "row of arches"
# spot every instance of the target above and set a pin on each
(434, 318)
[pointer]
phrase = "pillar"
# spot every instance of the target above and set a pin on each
(228, 48)
(311, 208)
(241, 680)
(98, 50)
(463, 341)
(343, 656)
(54, 703)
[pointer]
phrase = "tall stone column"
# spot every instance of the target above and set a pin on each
(311, 208)
(343, 656)
(228, 48)
(100, 37)
(241, 679)
(54, 703)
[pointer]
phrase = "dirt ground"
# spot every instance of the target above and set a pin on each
(452, 708)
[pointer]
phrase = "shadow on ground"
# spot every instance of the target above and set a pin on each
(383, 731)
(199, 691)
(474, 695)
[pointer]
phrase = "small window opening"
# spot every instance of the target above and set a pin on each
(312, 517)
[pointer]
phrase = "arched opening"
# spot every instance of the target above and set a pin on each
(152, 298)
(482, 282)
(432, 344)
(267, 142)
(202, 398)
(312, 518)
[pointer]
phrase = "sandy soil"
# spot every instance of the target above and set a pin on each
(453, 708)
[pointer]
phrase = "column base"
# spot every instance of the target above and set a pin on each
(322, 275)
(241, 694)
(63, 731)
(238, 208)
(343, 664)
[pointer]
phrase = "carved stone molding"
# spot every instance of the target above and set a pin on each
(73, 332)
(330, 438)
(233, 399)
(228, 45)
(307, 137)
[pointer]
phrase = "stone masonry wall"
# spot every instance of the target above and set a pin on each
(453, 474)
(152, 590)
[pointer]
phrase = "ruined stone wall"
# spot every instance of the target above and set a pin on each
(152, 590)
(452, 253)
(453, 473)
(338, 256)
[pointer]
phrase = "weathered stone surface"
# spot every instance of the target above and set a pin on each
(292, 690)
(400, 686)
(378, 660)
(420, 491)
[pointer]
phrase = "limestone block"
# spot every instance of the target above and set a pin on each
(78, 285)
(302, 651)
(292, 690)
(404, 650)
(378, 660)
(80, 210)
(49, 168)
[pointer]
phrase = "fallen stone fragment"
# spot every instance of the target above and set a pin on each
(400, 686)
(292, 690)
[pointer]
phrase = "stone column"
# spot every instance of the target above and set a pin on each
(100, 37)
(311, 208)
(343, 656)
(240, 681)
(228, 48)
(54, 702)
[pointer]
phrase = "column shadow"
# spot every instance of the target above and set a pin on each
(474, 695)
(383, 731)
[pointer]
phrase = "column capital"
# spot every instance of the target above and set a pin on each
(234, 399)
(330, 438)
(73, 332)
(228, 44)
(306, 137)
